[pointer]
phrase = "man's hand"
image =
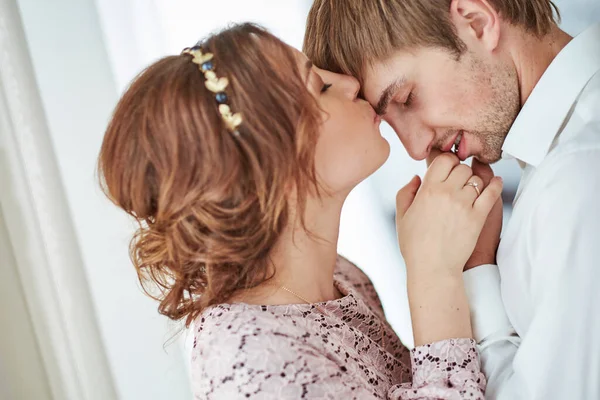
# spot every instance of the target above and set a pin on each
(489, 239)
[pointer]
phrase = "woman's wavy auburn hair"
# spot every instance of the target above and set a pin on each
(211, 205)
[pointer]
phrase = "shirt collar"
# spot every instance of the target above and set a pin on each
(544, 112)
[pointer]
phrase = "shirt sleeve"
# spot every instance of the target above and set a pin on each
(498, 342)
(488, 316)
(558, 357)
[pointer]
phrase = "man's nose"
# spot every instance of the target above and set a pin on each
(419, 148)
(417, 141)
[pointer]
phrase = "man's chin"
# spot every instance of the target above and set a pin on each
(487, 159)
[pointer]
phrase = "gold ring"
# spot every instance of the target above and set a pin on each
(474, 185)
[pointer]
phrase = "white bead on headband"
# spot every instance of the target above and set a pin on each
(216, 85)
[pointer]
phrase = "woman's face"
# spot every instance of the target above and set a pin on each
(350, 146)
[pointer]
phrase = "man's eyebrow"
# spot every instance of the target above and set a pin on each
(386, 96)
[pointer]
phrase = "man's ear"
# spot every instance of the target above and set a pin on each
(477, 23)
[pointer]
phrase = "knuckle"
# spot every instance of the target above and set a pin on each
(464, 169)
(465, 206)
(476, 179)
(444, 160)
(485, 204)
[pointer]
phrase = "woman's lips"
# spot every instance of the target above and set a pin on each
(376, 117)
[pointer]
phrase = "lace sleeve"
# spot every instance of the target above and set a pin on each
(448, 369)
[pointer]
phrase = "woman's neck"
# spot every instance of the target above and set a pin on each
(304, 259)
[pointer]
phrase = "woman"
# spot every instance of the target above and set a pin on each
(235, 158)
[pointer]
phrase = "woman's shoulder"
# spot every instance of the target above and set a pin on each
(227, 330)
(227, 320)
(348, 272)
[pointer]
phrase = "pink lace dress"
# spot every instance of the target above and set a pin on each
(333, 351)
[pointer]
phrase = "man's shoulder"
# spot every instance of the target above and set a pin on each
(588, 104)
(569, 179)
(581, 130)
(579, 156)
(576, 152)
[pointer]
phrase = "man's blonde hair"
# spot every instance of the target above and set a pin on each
(343, 35)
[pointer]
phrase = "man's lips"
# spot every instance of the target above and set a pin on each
(450, 143)
(462, 151)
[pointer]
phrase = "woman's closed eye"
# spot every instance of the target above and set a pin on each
(325, 87)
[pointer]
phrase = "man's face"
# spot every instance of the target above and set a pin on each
(433, 101)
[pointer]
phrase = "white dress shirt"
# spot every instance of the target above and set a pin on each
(547, 344)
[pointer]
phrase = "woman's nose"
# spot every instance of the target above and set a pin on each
(354, 87)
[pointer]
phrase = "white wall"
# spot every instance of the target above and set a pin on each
(187, 21)
(578, 14)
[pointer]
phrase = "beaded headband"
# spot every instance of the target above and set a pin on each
(216, 85)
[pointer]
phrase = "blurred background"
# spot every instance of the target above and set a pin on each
(74, 323)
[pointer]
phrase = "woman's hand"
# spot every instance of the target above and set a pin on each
(439, 221)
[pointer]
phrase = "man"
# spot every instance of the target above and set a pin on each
(493, 79)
